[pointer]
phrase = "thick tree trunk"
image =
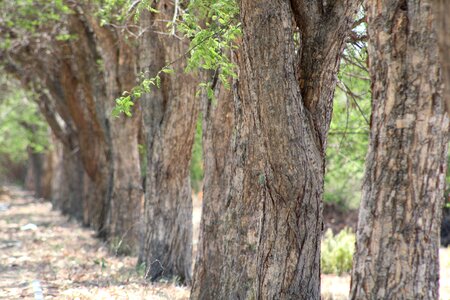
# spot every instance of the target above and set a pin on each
(272, 221)
(92, 139)
(398, 232)
(169, 115)
(119, 58)
(124, 220)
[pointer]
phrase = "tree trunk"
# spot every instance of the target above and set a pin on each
(47, 173)
(69, 71)
(67, 182)
(398, 232)
(34, 172)
(441, 9)
(218, 121)
(95, 152)
(119, 56)
(272, 221)
(169, 115)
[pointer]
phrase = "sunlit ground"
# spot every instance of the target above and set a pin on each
(337, 287)
(69, 263)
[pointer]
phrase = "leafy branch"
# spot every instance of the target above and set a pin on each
(208, 48)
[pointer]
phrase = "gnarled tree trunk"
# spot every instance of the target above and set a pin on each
(169, 115)
(398, 232)
(272, 220)
(119, 54)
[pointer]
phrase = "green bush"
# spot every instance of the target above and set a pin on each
(337, 252)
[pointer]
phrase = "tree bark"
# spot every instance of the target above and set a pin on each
(169, 115)
(441, 9)
(86, 114)
(119, 57)
(67, 181)
(398, 232)
(272, 220)
(217, 127)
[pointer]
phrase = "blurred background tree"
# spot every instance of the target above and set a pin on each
(23, 131)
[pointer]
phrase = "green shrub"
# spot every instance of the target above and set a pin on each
(337, 252)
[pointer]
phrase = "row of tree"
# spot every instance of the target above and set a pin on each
(264, 125)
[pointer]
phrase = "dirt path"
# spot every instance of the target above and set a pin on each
(42, 250)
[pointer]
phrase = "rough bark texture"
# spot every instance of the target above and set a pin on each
(108, 146)
(119, 58)
(400, 214)
(272, 221)
(441, 9)
(169, 117)
(218, 122)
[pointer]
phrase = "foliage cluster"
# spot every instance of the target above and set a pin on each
(26, 17)
(337, 252)
(212, 28)
(212, 42)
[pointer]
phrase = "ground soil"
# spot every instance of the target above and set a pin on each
(42, 250)
(65, 259)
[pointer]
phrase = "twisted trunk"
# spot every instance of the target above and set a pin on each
(271, 222)
(169, 115)
(398, 232)
(119, 56)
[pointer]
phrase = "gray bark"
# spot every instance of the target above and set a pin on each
(398, 232)
(169, 117)
(272, 219)
(119, 55)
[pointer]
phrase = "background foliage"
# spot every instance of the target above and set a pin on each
(349, 131)
(337, 252)
(22, 128)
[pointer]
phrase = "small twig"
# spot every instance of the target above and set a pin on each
(353, 96)
(175, 13)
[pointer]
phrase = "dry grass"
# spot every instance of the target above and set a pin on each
(70, 263)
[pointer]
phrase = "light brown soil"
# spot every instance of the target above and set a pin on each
(67, 260)
(70, 263)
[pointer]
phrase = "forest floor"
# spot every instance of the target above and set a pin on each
(42, 252)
